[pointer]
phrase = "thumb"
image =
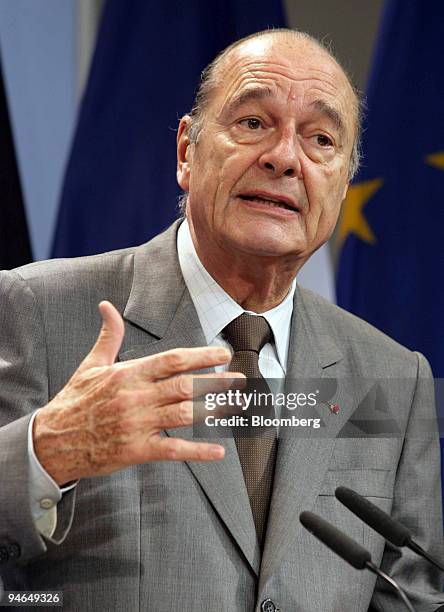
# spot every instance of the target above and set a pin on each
(109, 341)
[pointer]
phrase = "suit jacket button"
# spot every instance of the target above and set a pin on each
(14, 551)
(4, 555)
(268, 606)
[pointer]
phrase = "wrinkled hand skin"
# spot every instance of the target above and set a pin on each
(110, 415)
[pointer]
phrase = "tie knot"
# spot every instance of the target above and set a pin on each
(248, 333)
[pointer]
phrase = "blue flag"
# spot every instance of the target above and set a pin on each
(391, 264)
(120, 186)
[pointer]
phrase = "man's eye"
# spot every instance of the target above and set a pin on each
(252, 123)
(323, 140)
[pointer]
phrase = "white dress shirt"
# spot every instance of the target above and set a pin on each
(215, 309)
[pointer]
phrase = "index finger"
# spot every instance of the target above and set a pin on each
(178, 360)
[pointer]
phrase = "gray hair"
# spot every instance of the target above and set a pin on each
(210, 79)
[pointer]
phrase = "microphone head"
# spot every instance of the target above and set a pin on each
(338, 542)
(377, 519)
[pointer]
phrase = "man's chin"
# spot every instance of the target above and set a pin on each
(270, 246)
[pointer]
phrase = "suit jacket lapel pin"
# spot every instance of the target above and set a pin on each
(334, 408)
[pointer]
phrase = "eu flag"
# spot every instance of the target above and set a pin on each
(391, 264)
(120, 186)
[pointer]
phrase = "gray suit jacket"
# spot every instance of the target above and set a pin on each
(180, 536)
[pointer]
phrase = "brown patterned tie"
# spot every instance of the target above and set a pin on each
(257, 453)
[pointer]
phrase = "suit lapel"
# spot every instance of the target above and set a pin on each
(303, 458)
(160, 315)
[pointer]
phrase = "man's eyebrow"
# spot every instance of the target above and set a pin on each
(259, 93)
(247, 95)
(324, 108)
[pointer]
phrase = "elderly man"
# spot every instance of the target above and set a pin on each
(105, 493)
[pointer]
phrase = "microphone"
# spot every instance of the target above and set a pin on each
(390, 529)
(349, 550)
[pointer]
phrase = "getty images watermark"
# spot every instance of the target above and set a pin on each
(259, 405)
(352, 407)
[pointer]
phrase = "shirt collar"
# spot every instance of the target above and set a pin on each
(215, 308)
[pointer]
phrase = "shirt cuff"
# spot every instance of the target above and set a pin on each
(45, 493)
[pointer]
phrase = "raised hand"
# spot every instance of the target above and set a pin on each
(111, 415)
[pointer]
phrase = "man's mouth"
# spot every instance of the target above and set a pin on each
(276, 203)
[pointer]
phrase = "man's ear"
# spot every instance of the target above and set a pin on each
(344, 195)
(184, 153)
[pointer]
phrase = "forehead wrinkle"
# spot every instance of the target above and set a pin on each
(258, 92)
(244, 72)
(252, 90)
(239, 90)
(249, 75)
(288, 69)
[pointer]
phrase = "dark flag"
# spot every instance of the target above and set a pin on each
(391, 266)
(15, 248)
(120, 186)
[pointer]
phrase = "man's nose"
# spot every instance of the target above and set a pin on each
(282, 157)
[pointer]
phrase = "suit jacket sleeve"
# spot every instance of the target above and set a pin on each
(23, 389)
(417, 504)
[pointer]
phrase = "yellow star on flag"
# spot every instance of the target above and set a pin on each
(436, 159)
(352, 218)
